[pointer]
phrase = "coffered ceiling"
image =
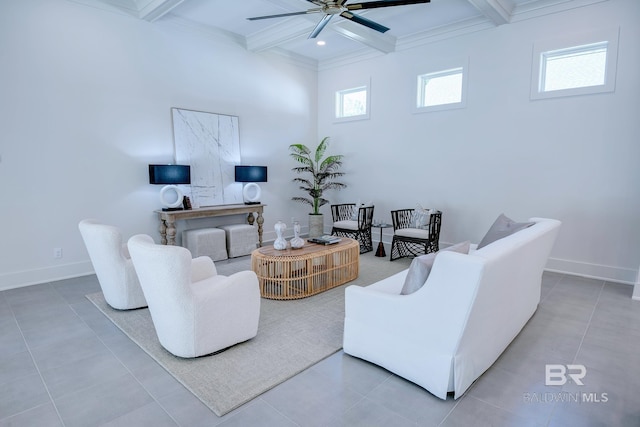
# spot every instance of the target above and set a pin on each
(344, 40)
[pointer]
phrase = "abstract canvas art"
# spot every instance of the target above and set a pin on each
(210, 144)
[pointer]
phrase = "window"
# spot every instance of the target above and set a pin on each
(569, 67)
(352, 103)
(441, 84)
(440, 88)
(581, 66)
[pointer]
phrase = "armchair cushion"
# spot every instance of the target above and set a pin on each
(416, 233)
(421, 267)
(502, 227)
(346, 224)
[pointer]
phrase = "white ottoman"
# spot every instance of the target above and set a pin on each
(210, 242)
(242, 239)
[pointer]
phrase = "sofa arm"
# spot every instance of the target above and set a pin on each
(436, 313)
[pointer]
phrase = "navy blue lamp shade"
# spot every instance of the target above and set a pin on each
(169, 174)
(251, 174)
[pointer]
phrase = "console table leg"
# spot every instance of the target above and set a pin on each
(163, 232)
(171, 232)
(260, 222)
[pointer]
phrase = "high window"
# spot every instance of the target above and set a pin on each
(352, 103)
(441, 84)
(580, 66)
(440, 88)
(567, 67)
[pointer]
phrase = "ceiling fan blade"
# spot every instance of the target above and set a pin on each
(364, 21)
(323, 22)
(383, 3)
(281, 15)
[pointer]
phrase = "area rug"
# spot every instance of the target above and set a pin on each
(292, 335)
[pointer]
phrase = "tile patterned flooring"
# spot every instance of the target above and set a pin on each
(62, 363)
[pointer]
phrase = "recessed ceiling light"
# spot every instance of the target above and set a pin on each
(321, 42)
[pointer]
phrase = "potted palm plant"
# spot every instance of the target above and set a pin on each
(323, 173)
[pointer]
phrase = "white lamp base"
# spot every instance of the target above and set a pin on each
(171, 196)
(251, 193)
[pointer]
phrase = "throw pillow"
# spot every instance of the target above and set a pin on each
(502, 227)
(418, 273)
(420, 218)
(421, 267)
(355, 210)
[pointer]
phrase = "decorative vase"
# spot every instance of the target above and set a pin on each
(296, 242)
(316, 225)
(280, 242)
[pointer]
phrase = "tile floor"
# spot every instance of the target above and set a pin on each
(62, 363)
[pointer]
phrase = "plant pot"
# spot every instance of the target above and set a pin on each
(316, 225)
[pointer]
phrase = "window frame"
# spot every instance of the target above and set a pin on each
(339, 103)
(443, 67)
(595, 39)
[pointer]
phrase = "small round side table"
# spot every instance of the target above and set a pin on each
(380, 251)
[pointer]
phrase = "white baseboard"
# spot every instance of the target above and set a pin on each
(594, 271)
(18, 279)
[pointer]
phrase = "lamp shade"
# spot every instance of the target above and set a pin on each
(251, 173)
(169, 174)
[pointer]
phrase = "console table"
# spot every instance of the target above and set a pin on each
(169, 218)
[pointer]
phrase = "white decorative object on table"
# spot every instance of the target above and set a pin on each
(297, 242)
(280, 242)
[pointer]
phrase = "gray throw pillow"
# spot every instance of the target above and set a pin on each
(421, 267)
(502, 227)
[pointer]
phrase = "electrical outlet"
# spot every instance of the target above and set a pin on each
(57, 253)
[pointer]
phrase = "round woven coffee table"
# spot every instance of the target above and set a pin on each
(299, 273)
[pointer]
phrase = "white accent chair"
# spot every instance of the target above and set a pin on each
(447, 333)
(112, 264)
(195, 310)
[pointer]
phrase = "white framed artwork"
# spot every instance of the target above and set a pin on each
(210, 144)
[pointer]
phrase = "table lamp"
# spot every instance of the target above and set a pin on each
(171, 195)
(251, 192)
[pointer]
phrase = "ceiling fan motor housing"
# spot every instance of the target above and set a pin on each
(332, 8)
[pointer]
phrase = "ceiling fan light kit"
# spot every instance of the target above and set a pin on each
(340, 7)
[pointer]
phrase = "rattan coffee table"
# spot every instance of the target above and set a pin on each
(299, 273)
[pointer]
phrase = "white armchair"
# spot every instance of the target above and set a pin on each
(195, 310)
(112, 264)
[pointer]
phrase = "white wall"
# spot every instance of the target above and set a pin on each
(574, 159)
(85, 99)
(85, 107)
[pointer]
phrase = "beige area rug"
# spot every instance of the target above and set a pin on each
(292, 335)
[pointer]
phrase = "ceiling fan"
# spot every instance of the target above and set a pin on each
(339, 7)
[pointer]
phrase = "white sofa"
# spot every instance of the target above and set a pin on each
(445, 335)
